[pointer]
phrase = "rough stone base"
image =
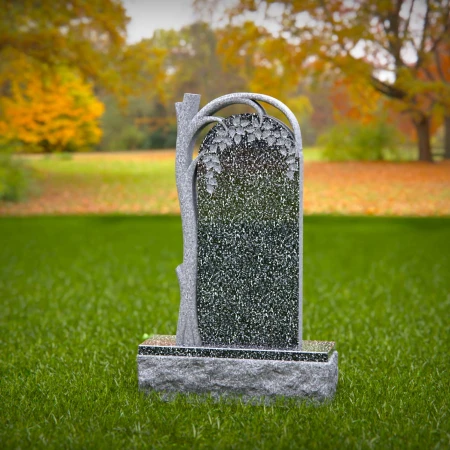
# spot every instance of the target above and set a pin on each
(245, 378)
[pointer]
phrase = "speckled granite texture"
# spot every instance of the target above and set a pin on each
(248, 379)
(248, 234)
(313, 351)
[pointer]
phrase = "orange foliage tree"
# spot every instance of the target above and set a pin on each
(263, 61)
(435, 77)
(385, 44)
(50, 111)
(50, 54)
(352, 100)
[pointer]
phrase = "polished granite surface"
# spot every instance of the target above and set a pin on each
(248, 235)
(164, 345)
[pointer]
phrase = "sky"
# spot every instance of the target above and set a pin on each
(149, 15)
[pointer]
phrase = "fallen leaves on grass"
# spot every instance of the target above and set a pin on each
(363, 188)
(378, 188)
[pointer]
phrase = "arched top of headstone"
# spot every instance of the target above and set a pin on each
(247, 131)
(191, 121)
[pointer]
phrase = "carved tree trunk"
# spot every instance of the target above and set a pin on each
(447, 137)
(423, 136)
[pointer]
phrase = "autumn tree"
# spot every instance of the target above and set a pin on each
(163, 68)
(435, 76)
(189, 61)
(263, 61)
(88, 35)
(192, 63)
(50, 111)
(352, 101)
(52, 55)
(385, 43)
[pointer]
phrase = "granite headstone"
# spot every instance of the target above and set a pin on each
(240, 320)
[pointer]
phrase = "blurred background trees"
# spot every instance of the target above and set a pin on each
(364, 78)
(399, 49)
(51, 54)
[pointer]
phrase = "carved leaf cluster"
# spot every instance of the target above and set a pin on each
(253, 130)
(243, 126)
(213, 167)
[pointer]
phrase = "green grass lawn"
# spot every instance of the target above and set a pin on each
(110, 180)
(77, 295)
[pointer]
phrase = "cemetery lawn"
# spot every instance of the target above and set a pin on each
(144, 183)
(78, 294)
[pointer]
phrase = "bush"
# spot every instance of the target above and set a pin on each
(141, 126)
(131, 138)
(162, 138)
(16, 179)
(354, 141)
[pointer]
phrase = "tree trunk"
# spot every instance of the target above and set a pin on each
(423, 136)
(447, 137)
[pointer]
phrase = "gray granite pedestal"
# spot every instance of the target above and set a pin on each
(309, 373)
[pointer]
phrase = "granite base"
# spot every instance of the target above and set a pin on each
(254, 377)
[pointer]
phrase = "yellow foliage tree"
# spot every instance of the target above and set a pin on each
(88, 35)
(50, 112)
